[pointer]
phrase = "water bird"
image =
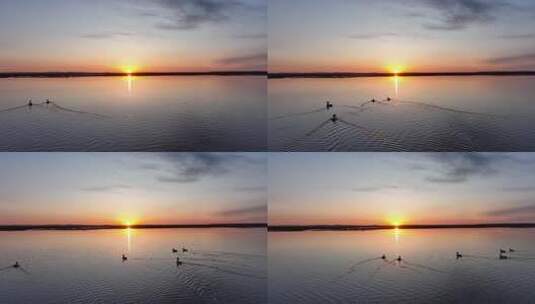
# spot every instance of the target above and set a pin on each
(502, 251)
(16, 265)
(511, 250)
(373, 100)
(502, 256)
(178, 262)
(458, 255)
(388, 99)
(383, 257)
(30, 103)
(399, 258)
(328, 104)
(47, 101)
(184, 249)
(174, 250)
(124, 258)
(334, 118)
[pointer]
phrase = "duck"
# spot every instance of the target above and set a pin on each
(124, 258)
(334, 118)
(511, 250)
(458, 255)
(383, 257)
(502, 257)
(399, 258)
(178, 262)
(174, 250)
(184, 249)
(388, 99)
(373, 100)
(16, 265)
(30, 103)
(502, 251)
(47, 101)
(328, 104)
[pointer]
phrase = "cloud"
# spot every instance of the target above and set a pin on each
(252, 36)
(517, 59)
(523, 211)
(519, 189)
(192, 167)
(191, 14)
(517, 36)
(106, 188)
(251, 189)
(256, 211)
(459, 167)
(106, 35)
(459, 14)
(258, 59)
(373, 35)
(374, 188)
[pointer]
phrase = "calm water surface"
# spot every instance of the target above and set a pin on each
(425, 114)
(345, 267)
(222, 266)
(205, 113)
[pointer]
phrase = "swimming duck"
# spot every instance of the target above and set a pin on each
(16, 265)
(502, 257)
(458, 255)
(124, 258)
(178, 263)
(328, 105)
(373, 100)
(174, 250)
(184, 249)
(334, 118)
(511, 250)
(502, 251)
(30, 103)
(383, 257)
(388, 99)
(399, 258)
(47, 101)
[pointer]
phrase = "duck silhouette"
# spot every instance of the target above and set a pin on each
(383, 257)
(399, 258)
(184, 249)
(334, 118)
(458, 255)
(124, 258)
(16, 265)
(174, 250)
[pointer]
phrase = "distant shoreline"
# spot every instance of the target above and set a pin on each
(407, 74)
(296, 228)
(102, 227)
(116, 74)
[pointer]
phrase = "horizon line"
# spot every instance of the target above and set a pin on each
(65, 74)
(24, 227)
(342, 227)
(275, 75)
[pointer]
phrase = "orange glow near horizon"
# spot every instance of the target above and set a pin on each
(129, 69)
(396, 68)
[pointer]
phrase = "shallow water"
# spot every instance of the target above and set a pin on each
(204, 113)
(222, 266)
(344, 267)
(489, 113)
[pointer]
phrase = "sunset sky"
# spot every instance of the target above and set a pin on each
(411, 35)
(140, 35)
(401, 188)
(139, 188)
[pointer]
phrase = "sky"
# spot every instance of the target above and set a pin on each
(393, 35)
(134, 35)
(132, 188)
(401, 188)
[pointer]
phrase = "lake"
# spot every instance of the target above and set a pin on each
(345, 266)
(131, 113)
(470, 113)
(221, 266)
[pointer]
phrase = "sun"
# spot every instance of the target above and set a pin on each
(396, 68)
(128, 222)
(396, 221)
(129, 69)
